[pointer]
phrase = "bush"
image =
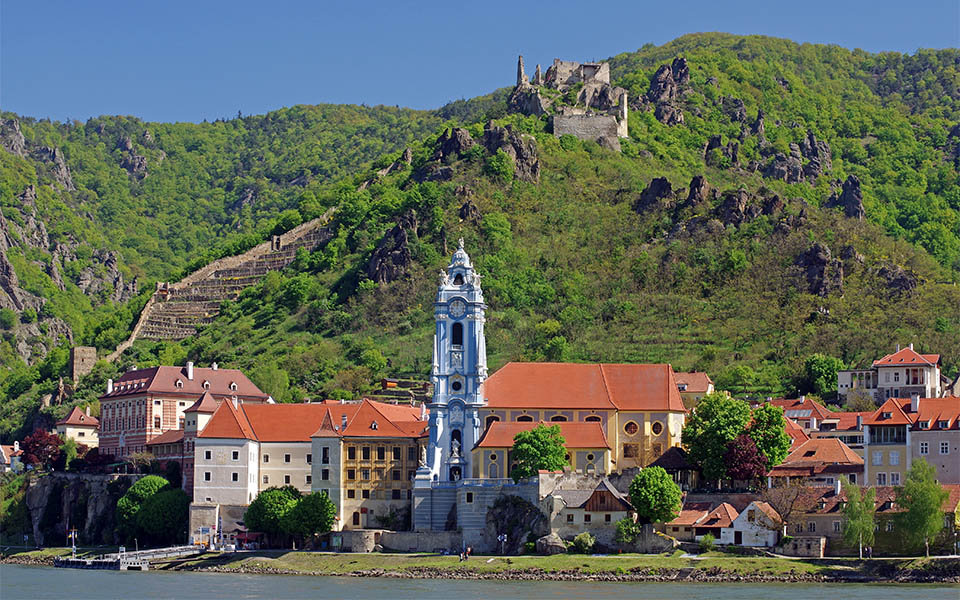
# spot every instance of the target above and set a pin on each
(707, 543)
(529, 547)
(8, 318)
(583, 543)
(627, 531)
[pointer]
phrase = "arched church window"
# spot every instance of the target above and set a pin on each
(593, 419)
(458, 334)
(492, 419)
(458, 279)
(524, 418)
(558, 418)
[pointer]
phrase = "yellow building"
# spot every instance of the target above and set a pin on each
(587, 449)
(638, 407)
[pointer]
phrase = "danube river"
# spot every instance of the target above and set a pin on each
(36, 583)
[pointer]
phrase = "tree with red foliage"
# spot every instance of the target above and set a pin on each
(41, 448)
(744, 460)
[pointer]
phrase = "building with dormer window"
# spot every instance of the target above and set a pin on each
(896, 375)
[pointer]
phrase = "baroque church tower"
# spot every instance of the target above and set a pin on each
(459, 369)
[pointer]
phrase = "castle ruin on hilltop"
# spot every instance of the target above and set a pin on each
(598, 111)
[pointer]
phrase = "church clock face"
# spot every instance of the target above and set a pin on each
(458, 308)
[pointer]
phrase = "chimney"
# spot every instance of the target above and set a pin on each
(190, 370)
(914, 402)
(860, 422)
(803, 398)
(214, 366)
(88, 411)
(837, 486)
(109, 386)
(343, 422)
(898, 347)
(236, 403)
(911, 345)
(16, 446)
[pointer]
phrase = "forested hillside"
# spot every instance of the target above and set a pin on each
(708, 241)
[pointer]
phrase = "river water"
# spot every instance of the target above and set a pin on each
(36, 583)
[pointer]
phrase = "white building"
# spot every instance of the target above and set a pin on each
(896, 375)
(756, 525)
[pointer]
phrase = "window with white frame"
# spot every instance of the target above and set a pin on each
(894, 478)
(944, 447)
(877, 458)
(894, 458)
(881, 479)
(206, 476)
(889, 526)
(924, 448)
(836, 526)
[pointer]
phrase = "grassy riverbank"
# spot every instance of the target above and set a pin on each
(711, 566)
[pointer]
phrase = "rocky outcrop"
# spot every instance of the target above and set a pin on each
(453, 144)
(518, 519)
(736, 208)
(11, 138)
(791, 168)
(734, 109)
(131, 162)
(527, 100)
(551, 544)
(730, 151)
(759, 129)
(53, 157)
(823, 273)
(658, 193)
(897, 279)
(468, 210)
(665, 89)
(699, 190)
(521, 148)
(850, 199)
(392, 257)
(87, 502)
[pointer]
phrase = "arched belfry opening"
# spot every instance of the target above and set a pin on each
(457, 334)
(458, 279)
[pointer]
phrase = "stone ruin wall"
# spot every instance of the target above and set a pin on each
(586, 126)
(176, 310)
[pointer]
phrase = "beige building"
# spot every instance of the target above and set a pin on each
(693, 387)
(896, 375)
(574, 511)
(80, 427)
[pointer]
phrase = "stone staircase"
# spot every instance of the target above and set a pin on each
(177, 310)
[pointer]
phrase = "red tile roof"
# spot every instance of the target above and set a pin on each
(802, 409)
(818, 500)
(907, 356)
(721, 516)
(847, 421)
(300, 422)
(818, 455)
(899, 413)
(9, 453)
(79, 418)
(173, 436)
(500, 434)
(696, 381)
(692, 513)
(934, 410)
(768, 510)
(796, 433)
(163, 380)
(206, 404)
(228, 423)
(576, 386)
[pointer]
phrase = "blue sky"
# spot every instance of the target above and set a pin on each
(204, 59)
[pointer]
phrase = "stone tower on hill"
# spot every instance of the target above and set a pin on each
(597, 113)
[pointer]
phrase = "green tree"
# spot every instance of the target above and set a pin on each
(162, 519)
(267, 510)
(310, 515)
(541, 448)
(655, 496)
(921, 498)
(859, 400)
(768, 431)
(8, 318)
(132, 501)
(273, 380)
(716, 420)
(583, 543)
(820, 375)
(860, 514)
(627, 531)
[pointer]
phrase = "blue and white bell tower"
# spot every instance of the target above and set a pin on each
(459, 369)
